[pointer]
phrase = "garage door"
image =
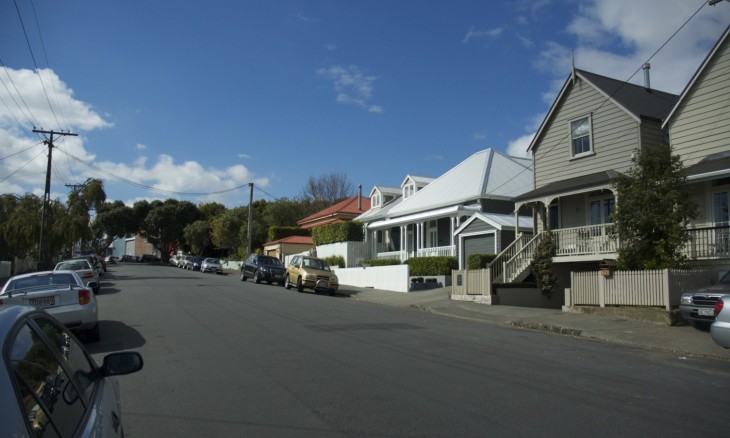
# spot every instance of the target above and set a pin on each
(482, 244)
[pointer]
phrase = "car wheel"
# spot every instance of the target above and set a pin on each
(286, 282)
(300, 286)
(256, 277)
(92, 335)
(243, 275)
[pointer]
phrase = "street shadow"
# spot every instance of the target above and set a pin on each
(114, 336)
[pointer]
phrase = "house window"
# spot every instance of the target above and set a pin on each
(376, 201)
(554, 216)
(601, 210)
(720, 212)
(580, 137)
(432, 233)
(408, 190)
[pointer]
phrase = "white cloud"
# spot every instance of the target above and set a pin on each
(244, 156)
(482, 34)
(140, 147)
(353, 87)
(518, 147)
(479, 136)
(330, 47)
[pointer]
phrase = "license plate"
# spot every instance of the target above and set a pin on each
(706, 312)
(42, 301)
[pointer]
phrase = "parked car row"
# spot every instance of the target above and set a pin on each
(303, 272)
(709, 307)
(197, 263)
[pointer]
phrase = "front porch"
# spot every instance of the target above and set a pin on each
(437, 251)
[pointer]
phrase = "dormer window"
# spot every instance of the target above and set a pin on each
(580, 137)
(409, 190)
(375, 201)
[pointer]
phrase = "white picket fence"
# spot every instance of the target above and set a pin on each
(659, 288)
(393, 278)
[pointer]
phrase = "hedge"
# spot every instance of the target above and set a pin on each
(479, 261)
(432, 265)
(339, 232)
(276, 233)
(335, 261)
(379, 262)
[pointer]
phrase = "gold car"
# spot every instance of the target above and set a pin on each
(311, 273)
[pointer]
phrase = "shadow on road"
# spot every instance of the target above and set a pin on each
(115, 336)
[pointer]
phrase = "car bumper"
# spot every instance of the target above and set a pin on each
(76, 316)
(273, 275)
(697, 313)
(720, 332)
(320, 284)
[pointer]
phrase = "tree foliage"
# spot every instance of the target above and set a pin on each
(653, 211)
(542, 264)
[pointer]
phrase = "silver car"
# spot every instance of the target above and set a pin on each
(84, 269)
(50, 385)
(211, 265)
(60, 293)
(720, 328)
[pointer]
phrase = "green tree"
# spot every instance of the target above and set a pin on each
(210, 210)
(21, 224)
(91, 195)
(653, 210)
(113, 220)
(197, 236)
(166, 221)
(542, 264)
(226, 227)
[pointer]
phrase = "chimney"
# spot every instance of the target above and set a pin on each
(359, 197)
(647, 82)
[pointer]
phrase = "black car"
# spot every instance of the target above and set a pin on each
(263, 268)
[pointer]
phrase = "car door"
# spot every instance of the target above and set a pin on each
(292, 271)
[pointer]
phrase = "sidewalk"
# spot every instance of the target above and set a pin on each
(682, 340)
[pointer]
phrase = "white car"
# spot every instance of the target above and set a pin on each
(211, 265)
(60, 293)
(51, 386)
(720, 328)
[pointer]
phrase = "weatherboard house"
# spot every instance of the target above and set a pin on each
(467, 210)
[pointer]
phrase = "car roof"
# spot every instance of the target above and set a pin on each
(10, 313)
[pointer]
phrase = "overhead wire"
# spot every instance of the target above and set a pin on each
(37, 69)
(607, 99)
(21, 167)
(20, 152)
(30, 117)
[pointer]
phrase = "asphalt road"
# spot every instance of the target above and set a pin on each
(226, 358)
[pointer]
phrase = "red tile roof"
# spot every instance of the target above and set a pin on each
(343, 211)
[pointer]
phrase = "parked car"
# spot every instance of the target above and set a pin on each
(194, 263)
(111, 260)
(211, 265)
(183, 262)
(127, 259)
(51, 385)
(60, 293)
(148, 258)
(263, 268)
(84, 270)
(698, 306)
(311, 273)
(720, 328)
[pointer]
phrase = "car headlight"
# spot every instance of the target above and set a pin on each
(686, 299)
(310, 277)
(334, 278)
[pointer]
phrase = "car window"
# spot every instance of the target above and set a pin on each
(44, 386)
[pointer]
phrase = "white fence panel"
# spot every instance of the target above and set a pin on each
(392, 278)
(352, 252)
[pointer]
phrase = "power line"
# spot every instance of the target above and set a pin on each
(607, 99)
(31, 118)
(20, 152)
(38, 70)
(19, 168)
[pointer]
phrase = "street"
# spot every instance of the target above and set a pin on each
(231, 358)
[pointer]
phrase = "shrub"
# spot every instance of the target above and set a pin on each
(479, 261)
(339, 232)
(379, 262)
(335, 261)
(276, 233)
(432, 265)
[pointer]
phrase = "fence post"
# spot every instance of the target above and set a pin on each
(665, 289)
(601, 290)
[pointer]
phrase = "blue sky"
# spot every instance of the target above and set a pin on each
(201, 97)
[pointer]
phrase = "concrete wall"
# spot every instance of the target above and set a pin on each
(393, 278)
(528, 297)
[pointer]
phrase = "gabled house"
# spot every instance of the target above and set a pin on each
(423, 221)
(587, 138)
(288, 246)
(343, 211)
(699, 131)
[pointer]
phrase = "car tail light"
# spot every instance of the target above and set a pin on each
(84, 296)
(88, 275)
(718, 306)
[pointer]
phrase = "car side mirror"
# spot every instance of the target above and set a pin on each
(117, 364)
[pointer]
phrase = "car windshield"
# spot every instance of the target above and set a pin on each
(74, 265)
(215, 261)
(41, 281)
(273, 261)
(316, 264)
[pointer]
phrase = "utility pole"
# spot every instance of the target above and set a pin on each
(250, 216)
(42, 250)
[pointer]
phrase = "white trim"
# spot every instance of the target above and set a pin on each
(591, 150)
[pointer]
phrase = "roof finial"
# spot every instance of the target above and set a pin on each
(572, 65)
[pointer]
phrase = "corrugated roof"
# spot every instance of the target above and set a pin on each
(577, 183)
(347, 207)
(485, 174)
(499, 221)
